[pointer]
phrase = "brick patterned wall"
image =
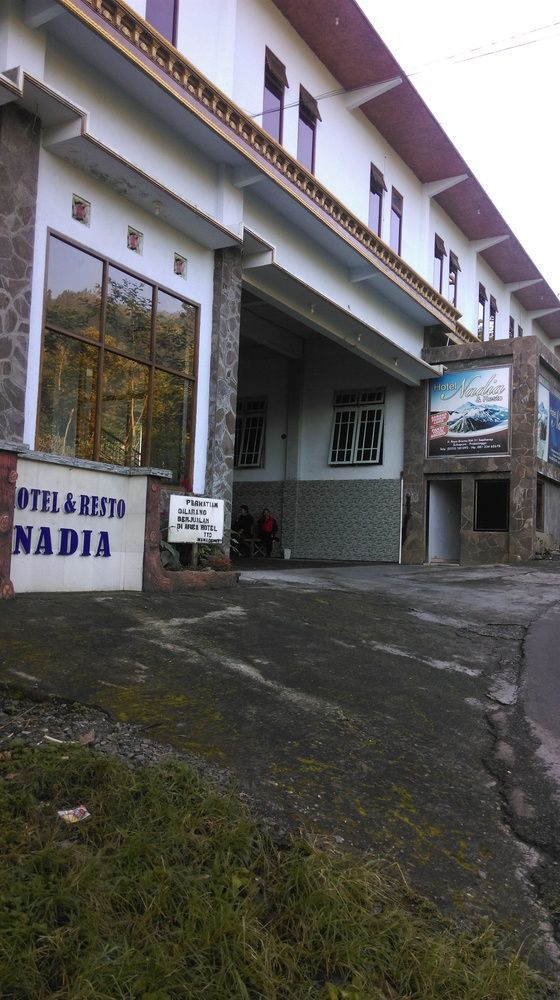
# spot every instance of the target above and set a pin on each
(258, 495)
(323, 519)
(19, 165)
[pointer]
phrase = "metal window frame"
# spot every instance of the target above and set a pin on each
(244, 413)
(150, 363)
(343, 403)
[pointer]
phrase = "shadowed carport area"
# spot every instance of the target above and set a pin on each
(378, 707)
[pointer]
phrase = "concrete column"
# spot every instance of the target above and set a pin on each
(414, 496)
(290, 489)
(19, 167)
(226, 318)
(523, 482)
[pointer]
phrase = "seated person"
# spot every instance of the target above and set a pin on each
(244, 525)
(267, 528)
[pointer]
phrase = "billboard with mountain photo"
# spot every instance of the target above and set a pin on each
(469, 413)
(548, 426)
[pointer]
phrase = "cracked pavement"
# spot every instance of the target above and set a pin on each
(380, 708)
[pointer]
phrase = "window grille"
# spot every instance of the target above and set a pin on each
(249, 433)
(357, 431)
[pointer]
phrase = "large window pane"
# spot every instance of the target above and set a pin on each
(95, 398)
(175, 333)
(68, 391)
(374, 219)
(306, 142)
(124, 411)
(395, 232)
(272, 107)
(171, 424)
(74, 280)
(129, 311)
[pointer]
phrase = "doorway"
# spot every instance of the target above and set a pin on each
(444, 520)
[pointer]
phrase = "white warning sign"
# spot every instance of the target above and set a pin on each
(195, 519)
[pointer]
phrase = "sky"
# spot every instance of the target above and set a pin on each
(489, 71)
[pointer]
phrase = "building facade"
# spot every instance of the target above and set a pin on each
(236, 248)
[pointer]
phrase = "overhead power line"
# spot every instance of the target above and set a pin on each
(467, 55)
(496, 46)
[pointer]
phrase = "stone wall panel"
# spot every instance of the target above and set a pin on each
(226, 318)
(19, 165)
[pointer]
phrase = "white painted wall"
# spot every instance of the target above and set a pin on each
(19, 45)
(268, 377)
(137, 136)
(206, 34)
(226, 39)
(346, 141)
(456, 241)
(111, 214)
(326, 369)
(316, 269)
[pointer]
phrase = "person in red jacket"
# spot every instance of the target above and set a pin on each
(267, 527)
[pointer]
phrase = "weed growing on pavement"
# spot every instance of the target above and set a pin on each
(169, 891)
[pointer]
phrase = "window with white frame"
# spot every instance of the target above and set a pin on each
(357, 429)
(249, 433)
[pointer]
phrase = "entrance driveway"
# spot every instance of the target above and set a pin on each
(380, 708)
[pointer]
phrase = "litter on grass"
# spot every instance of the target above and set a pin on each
(75, 815)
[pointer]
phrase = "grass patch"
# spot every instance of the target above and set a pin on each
(170, 892)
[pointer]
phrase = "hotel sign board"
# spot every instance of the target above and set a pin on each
(548, 426)
(469, 413)
(195, 520)
(77, 529)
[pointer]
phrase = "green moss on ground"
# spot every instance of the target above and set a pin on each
(170, 891)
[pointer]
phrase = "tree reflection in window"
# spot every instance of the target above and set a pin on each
(123, 410)
(68, 393)
(129, 314)
(118, 365)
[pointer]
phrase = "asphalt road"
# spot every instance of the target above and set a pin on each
(406, 711)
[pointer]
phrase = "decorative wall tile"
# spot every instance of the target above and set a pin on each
(81, 209)
(180, 265)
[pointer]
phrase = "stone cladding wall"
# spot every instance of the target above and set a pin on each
(19, 166)
(517, 545)
(226, 318)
